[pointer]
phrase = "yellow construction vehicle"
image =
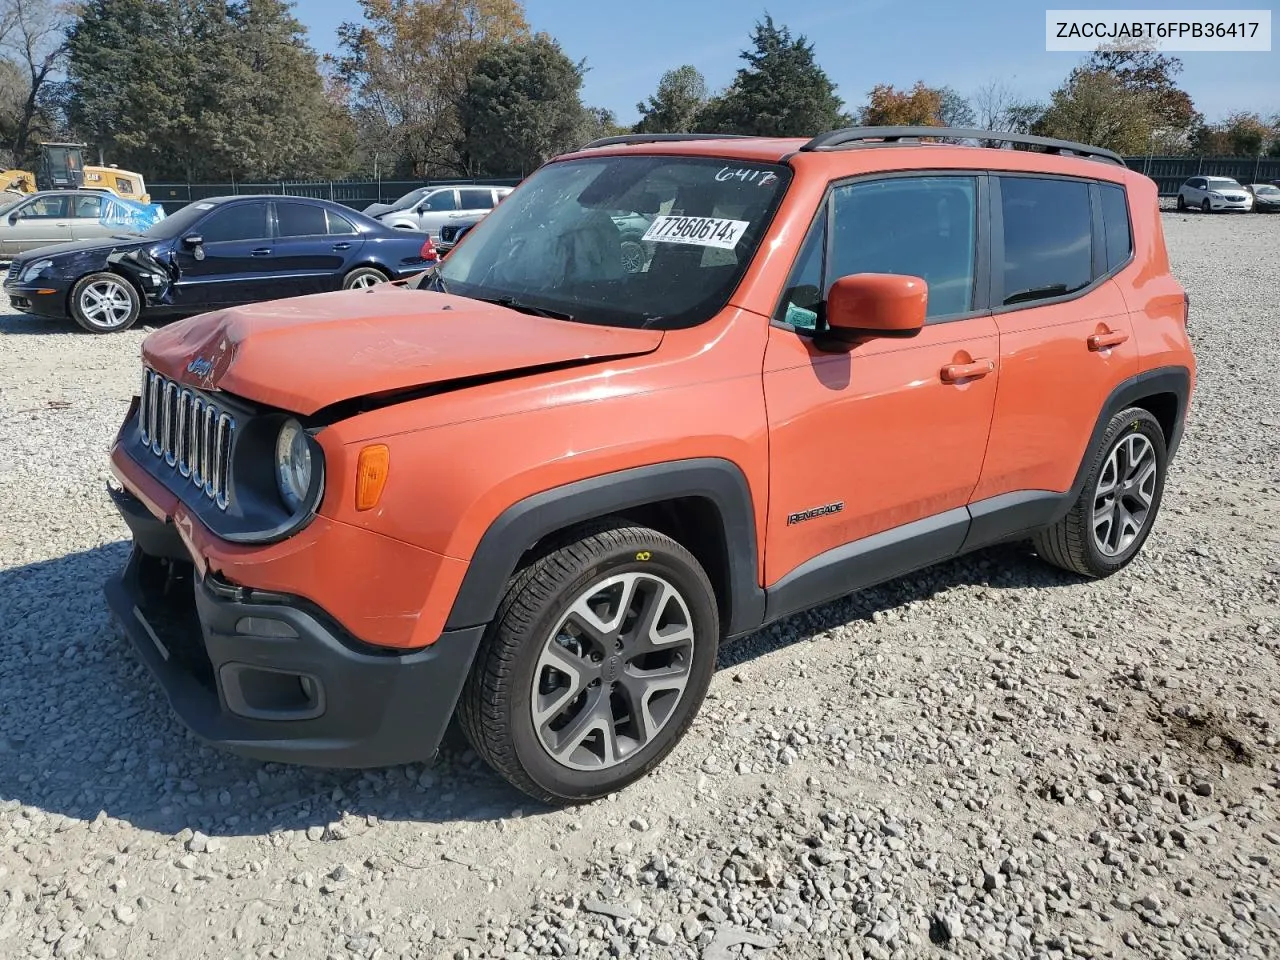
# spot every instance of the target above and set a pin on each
(62, 167)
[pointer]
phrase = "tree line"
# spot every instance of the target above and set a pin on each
(232, 89)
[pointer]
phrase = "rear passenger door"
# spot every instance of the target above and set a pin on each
(1065, 334)
(880, 440)
(309, 258)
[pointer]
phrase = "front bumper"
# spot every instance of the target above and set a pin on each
(1242, 206)
(26, 298)
(272, 676)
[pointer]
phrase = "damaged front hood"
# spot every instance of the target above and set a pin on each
(306, 353)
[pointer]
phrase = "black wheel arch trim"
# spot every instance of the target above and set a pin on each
(518, 528)
(1129, 393)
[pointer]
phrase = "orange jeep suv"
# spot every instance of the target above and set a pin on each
(672, 389)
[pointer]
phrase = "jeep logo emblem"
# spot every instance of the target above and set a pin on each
(200, 367)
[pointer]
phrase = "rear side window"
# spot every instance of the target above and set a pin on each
(1115, 225)
(243, 221)
(477, 199)
(1048, 238)
(300, 220)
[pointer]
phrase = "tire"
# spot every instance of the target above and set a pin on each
(1204, 207)
(104, 303)
(1182, 203)
(362, 277)
(537, 628)
(1083, 541)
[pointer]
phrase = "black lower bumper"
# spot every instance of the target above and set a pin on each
(272, 677)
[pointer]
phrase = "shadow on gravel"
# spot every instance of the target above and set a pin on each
(20, 323)
(85, 730)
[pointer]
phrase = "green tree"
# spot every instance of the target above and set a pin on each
(1095, 107)
(202, 90)
(520, 107)
(1146, 71)
(781, 92)
(599, 122)
(407, 65)
(955, 110)
(1247, 134)
(674, 108)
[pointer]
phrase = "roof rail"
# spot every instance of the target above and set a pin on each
(657, 138)
(859, 137)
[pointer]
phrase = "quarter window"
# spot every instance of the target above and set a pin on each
(339, 225)
(243, 221)
(1048, 238)
(477, 199)
(916, 226)
(1115, 225)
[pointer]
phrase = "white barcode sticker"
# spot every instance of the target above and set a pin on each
(699, 231)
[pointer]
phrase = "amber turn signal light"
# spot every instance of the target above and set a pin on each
(371, 475)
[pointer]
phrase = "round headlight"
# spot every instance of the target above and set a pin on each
(293, 464)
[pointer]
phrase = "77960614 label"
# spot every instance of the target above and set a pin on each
(699, 231)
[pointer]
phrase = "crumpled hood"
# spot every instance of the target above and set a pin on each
(304, 353)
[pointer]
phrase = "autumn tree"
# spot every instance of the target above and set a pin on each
(520, 107)
(675, 106)
(887, 106)
(1145, 70)
(1095, 107)
(408, 63)
(781, 92)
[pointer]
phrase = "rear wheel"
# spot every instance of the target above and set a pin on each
(1117, 507)
(599, 658)
(363, 277)
(105, 303)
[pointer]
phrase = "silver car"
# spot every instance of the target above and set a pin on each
(1211, 194)
(53, 216)
(441, 205)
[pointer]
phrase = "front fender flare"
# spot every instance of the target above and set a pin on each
(523, 524)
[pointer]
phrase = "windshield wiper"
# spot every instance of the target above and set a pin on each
(1037, 293)
(513, 304)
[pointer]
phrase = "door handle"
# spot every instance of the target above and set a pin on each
(967, 371)
(1102, 341)
(342, 246)
(261, 252)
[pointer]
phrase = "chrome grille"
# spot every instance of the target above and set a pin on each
(189, 433)
(12, 275)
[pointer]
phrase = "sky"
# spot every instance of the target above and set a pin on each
(629, 44)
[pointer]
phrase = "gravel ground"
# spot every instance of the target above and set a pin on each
(987, 759)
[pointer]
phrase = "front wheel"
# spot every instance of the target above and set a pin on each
(1117, 507)
(105, 303)
(362, 277)
(597, 662)
(1204, 207)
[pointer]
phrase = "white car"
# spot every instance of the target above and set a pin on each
(441, 205)
(1214, 193)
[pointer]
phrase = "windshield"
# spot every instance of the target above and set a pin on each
(624, 240)
(409, 199)
(176, 224)
(1267, 190)
(1223, 183)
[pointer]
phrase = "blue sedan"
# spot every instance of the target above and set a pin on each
(213, 254)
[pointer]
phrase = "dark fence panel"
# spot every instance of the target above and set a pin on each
(1170, 173)
(356, 194)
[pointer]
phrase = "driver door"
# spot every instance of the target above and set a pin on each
(236, 262)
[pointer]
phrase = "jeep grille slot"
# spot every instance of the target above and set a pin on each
(188, 433)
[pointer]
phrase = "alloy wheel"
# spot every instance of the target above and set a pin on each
(1124, 494)
(365, 280)
(613, 671)
(105, 304)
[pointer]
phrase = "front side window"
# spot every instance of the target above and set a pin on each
(241, 221)
(45, 208)
(916, 226)
(441, 201)
(556, 243)
(1048, 238)
(300, 220)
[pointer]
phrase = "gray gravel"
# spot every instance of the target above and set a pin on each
(989, 759)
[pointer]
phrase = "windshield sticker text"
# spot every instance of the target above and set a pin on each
(761, 178)
(700, 231)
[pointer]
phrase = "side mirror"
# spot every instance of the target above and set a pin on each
(15, 217)
(192, 240)
(868, 306)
